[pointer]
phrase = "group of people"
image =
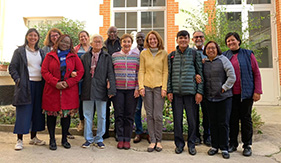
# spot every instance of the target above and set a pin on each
(62, 79)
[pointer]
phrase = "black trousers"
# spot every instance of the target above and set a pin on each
(124, 106)
(179, 103)
(205, 122)
(51, 124)
(219, 114)
(241, 110)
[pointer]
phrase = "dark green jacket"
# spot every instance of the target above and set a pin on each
(182, 70)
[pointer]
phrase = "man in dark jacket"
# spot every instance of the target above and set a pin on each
(98, 72)
(183, 91)
(112, 45)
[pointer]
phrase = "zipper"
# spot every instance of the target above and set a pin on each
(180, 73)
(126, 71)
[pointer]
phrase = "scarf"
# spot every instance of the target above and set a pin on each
(62, 57)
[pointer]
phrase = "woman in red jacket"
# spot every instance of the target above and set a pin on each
(60, 95)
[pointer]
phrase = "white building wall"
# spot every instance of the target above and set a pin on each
(86, 11)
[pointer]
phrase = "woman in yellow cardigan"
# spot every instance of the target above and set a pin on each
(153, 76)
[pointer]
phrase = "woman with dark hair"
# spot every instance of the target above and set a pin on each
(153, 77)
(50, 39)
(246, 90)
(219, 78)
(81, 49)
(126, 66)
(25, 69)
(60, 95)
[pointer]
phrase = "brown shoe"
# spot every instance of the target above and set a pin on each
(137, 139)
(80, 126)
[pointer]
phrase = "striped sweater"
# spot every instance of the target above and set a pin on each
(126, 67)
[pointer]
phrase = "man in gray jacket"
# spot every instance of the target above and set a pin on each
(183, 91)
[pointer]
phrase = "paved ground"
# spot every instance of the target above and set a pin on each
(266, 148)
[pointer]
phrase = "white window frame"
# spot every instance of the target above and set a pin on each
(140, 9)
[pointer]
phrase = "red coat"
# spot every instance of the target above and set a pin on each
(65, 99)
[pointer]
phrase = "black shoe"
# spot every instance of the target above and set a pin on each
(66, 145)
(232, 149)
(225, 155)
(192, 151)
(247, 151)
(105, 136)
(53, 145)
(197, 141)
(208, 142)
(178, 150)
(212, 151)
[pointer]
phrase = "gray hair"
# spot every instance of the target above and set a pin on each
(94, 36)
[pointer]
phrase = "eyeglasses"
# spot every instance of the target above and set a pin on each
(55, 35)
(109, 32)
(196, 37)
(97, 42)
(211, 48)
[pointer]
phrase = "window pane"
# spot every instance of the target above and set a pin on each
(158, 2)
(146, 3)
(120, 20)
(131, 3)
(120, 33)
(119, 3)
(261, 37)
(229, 2)
(235, 23)
(158, 19)
(146, 20)
(258, 1)
(131, 20)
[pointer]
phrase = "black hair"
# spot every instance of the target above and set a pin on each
(183, 33)
(36, 47)
(234, 34)
(217, 46)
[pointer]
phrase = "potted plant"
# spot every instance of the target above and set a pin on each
(4, 65)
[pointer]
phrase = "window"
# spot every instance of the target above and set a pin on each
(258, 1)
(229, 2)
(139, 15)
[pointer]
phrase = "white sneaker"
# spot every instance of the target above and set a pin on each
(36, 141)
(19, 145)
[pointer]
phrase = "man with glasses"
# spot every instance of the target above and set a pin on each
(112, 45)
(199, 39)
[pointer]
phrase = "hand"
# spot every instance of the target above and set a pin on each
(109, 96)
(18, 82)
(142, 92)
(59, 85)
(256, 97)
(203, 60)
(170, 97)
(222, 90)
(73, 74)
(198, 79)
(108, 85)
(163, 93)
(136, 93)
(64, 83)
(198, 98)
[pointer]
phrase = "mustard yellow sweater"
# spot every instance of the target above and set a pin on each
(153, 71)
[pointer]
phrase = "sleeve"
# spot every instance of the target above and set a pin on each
(46, 72)
(198, 69)
(230, 73)
(141, 70)
(169, 83)
(256, 74)
(80, 72)
(14, 66)
(137, 73)
(111, 77)
(165, 71)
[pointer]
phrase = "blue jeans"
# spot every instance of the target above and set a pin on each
(138, 123)
(88, 111)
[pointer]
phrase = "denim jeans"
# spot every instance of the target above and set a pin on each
(138, 123)
(88, 110)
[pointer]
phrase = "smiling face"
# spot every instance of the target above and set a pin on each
(140, 38)
(54, 37)
(198, 39)
(232, 43)
(211, 51)
(32, 38)
(64, 44)
(112, 33)
(126, 44)
(83, 38)
(96, 44)
(183, 42)
(152, 41)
